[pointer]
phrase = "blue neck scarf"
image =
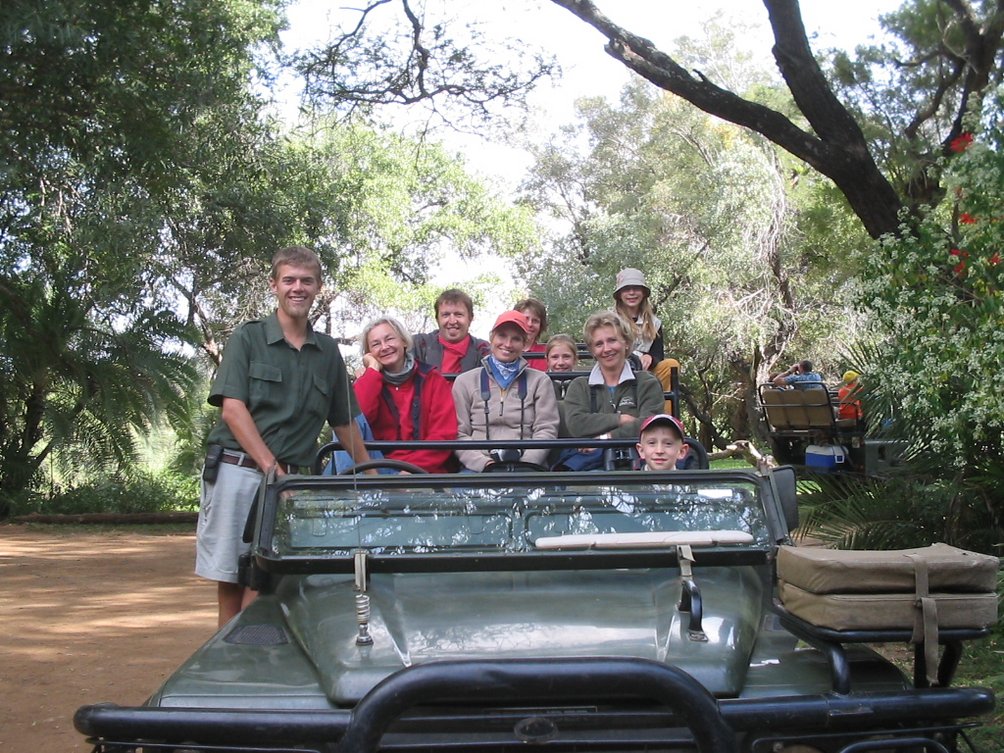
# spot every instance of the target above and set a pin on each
(504, 373)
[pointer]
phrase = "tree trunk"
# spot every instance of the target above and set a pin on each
(835, 147)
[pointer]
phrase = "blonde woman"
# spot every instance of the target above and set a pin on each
(632, 298)
(614, 399)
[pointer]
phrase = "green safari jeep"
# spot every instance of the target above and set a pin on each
(593, 612)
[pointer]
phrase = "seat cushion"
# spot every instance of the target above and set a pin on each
(886, 611)
(949, 570)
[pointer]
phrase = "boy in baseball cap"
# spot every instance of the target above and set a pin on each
(660, 443)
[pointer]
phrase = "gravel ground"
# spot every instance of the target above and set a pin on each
(91, 616)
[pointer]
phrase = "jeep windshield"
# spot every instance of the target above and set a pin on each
(316, 520)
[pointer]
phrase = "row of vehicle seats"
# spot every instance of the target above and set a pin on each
(618, 455)
(808, 408)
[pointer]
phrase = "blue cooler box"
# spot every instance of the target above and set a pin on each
(824, 457)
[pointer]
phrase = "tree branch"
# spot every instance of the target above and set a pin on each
(423, 66)
(837, 150)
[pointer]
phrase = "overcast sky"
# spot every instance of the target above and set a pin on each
(587, 69)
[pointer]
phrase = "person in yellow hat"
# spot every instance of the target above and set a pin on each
(848, 401)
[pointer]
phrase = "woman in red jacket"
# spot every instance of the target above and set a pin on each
(402, 399)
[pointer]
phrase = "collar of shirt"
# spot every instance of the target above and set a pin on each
(273, 331)
(596, 376)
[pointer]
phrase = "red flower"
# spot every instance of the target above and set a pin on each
(961, 142)
(995, 259)
(967, 219)
(961, 255)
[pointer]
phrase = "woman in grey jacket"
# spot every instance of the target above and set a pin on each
(504, 399)
(613, 400)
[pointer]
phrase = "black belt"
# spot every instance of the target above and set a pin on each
(244, 461)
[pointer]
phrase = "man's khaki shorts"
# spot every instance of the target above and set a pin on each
(223, 511)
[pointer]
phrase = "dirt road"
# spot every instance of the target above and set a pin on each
(88, 617)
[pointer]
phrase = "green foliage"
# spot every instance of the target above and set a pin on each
(136, 492)
(936, 60)
(115, 115)
(76, 382)
(905, 510)
(146, 189)
(181, 447)
(932, 362)
(981, 667)
(934, 294)
(398, 209)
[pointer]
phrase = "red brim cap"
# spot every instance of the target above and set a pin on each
(664, 418)
(513, 317)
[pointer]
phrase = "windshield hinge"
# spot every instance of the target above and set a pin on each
(690, 594)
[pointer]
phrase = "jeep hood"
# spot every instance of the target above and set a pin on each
(418, 618)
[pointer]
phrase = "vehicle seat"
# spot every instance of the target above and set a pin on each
(696, 459)
(773, 400)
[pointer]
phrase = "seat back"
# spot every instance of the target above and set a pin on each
(817, 408)
(799, 409)
(784, 485)
(774, 407)
(696, 458)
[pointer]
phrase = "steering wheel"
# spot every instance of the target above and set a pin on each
(399, 465)
(512, 466)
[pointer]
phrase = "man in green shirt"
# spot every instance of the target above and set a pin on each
(277, 384)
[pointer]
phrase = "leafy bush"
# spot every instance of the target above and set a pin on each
(140, 491)
(935, 297)
(933, 362)
(906, 510)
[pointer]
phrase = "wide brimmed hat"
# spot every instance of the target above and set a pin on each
(630, 277)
